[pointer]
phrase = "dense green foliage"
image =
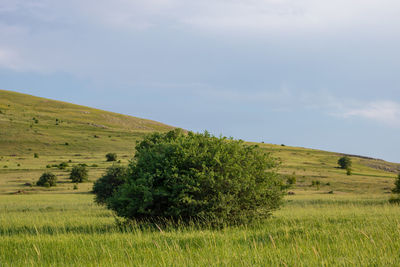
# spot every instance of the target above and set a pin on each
(79, 174)
(396, 189)
(104, 187)
(345, 162)
(47, 179)
(194, 176)
(111, 156)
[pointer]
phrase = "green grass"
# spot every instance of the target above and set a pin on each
(353, 225)
(68, 229)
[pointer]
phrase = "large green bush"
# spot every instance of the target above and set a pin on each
(194, 176)
(79, 174)
(104, 187)
(47, 179)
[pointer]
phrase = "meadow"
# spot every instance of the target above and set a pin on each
(341, 220)
(69, 229)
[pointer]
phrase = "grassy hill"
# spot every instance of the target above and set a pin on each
(62, 132)
(343, 221)
(31, 124)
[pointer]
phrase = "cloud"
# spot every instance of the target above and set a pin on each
(387, 112)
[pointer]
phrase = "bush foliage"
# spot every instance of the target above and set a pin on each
(111, 156)
(104, 187)
(345, 162)
(79, 174)
(196, 176)
(47, 179)
(396, 189)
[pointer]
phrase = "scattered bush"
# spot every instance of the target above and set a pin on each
(111, 156)
(291, 180)
(62, 165)
(36, 155)
(345, 162)
(349, 171)
(196, 176)
(105, 187)
(79, 174)
(396, 189)
(47, 179)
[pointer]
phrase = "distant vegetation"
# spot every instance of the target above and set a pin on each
(47, 179)
(345, 162)
(79, 174)
(111, 157)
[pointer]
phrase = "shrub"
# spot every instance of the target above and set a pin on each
(291, 180)
(35, 155)
(394, 200)
(79, 174)
(62, 165)
(196, 176)
(345, 162)
(111, 156)
(349, 171)
(114, 177)
(396, 189)
(47, 179)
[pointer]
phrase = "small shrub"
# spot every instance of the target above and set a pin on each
(94, 165)
(345, 162)
(47, 179)
(36, 155)
(79, 174)
(75, 187)
(18, 165)
(66, 143)
(111, 156)
(291, 180)
(105, 187)
(5, 166)
(349, 171)
(69, 161)
(48, 166)
(62, 165)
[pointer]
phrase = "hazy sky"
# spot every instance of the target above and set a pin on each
(313, 73)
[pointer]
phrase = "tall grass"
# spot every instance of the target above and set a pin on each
(69, 229)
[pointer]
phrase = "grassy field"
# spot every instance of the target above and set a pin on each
(344, 221)
(68, 229)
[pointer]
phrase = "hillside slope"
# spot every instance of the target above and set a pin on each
(32, 124)
(62, 132)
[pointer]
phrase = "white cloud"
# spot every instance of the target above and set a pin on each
(387, 112)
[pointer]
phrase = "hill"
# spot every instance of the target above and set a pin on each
(61, 132)
(31, 124)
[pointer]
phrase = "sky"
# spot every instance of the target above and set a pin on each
(310, 73)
